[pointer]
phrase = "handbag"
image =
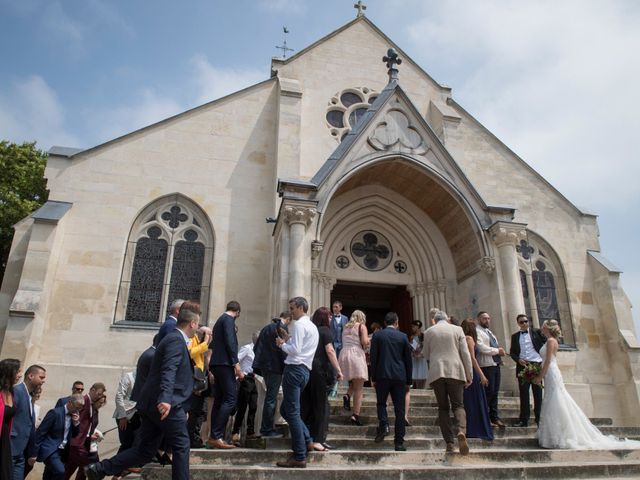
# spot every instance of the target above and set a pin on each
(200, 381)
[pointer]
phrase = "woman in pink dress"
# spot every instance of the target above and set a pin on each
(353, 361)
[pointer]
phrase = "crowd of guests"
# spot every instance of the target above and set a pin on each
(162, 406)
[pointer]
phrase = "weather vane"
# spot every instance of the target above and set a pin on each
(284, 47)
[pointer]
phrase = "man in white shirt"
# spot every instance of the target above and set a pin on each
(489, 359)
(300, 348)
(525, 348)
(247, 392)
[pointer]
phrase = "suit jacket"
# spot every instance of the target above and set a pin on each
(50, 433)
(170, 378)
(62, 401)
(169, 324)
(88, 424)
(537, 338)
(225, 341)
(23, 430)
(336, 330)
(390, 355)
(445, 348)
(268, 357)
(142, 371)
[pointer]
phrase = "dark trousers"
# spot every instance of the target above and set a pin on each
(525, 405)
(272, 381)
(314, 406)
(450, 396)
(493, 375)
(397, 389)
(197, 415)
(77, 459)
(128, 435)
(247, 397)
(225, 393)
(172, 430)
(54, 466)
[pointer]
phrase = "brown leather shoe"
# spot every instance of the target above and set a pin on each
(462, 444)
(498, 423)
(292, 463)
(219, 443)
(450, 448)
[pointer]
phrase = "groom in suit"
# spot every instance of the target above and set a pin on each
(163, 405)
(391, 373)
(525, 348)
(445, 348)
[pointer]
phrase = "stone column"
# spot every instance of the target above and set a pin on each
(283, 289)
(298, 218)
(506, 236)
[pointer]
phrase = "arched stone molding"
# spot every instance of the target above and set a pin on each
(416, 239)
(473, 215)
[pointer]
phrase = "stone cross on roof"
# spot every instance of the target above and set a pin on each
(392, 59)
(361, 8)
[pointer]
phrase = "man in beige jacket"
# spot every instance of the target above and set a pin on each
(449, 374)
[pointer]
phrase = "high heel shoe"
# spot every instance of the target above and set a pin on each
(346, 402)
(355, 420)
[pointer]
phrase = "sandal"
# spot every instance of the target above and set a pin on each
(346, 402)
(316, 447)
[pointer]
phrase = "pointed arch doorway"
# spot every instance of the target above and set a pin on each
(375, 300)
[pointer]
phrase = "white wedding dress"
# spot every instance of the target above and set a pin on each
(562, 422)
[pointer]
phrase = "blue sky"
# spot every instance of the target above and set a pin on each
(557, 81)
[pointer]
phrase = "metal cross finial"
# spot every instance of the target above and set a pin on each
(392, 59)
(361, 8)
(284, 47)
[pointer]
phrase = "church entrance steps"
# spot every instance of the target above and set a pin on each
(432, 419)
(370, 410)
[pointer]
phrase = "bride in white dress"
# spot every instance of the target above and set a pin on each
(562, 422)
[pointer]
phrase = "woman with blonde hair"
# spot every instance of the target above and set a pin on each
(562, 423)
(353, 361)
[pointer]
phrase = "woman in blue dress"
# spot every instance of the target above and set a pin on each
(475, 398)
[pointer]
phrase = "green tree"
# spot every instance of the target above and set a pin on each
(23, 189)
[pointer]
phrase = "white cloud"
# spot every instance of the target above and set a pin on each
(60, 25)
(30, 111)
(213, 82)
(557, 81)
(148, 108)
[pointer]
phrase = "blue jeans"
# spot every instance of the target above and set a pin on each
(272, 381)
(18, 465)
(294, 380)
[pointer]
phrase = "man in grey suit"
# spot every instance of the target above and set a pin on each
(449, 374)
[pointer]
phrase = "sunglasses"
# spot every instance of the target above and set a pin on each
(76, 389)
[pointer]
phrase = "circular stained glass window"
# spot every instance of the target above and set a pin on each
(335, 118)
(355, 116)
(371, 250)
(350, 98)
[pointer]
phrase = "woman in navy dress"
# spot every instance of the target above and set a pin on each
(10, 374)
(475, 398)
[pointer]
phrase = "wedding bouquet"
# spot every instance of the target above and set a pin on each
(529, 373)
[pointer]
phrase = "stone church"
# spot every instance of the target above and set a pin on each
(337, 177)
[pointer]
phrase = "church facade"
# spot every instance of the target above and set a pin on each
(335, 178)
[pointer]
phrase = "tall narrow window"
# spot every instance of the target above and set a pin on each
(543, 285)
(169, 256)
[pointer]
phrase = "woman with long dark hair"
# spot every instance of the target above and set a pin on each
(10, 374)
(315, 397)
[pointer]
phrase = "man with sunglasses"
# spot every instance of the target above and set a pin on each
(525, 348)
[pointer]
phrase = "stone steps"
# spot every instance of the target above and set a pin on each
(424, 420)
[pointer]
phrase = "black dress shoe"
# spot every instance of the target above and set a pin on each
(521, 424)
(400, 447)
(382, 432)
(92, 473)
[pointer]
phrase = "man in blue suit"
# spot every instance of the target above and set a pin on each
(391, 369)
(225, 367)
(54, 434)
(171, 320)
(24, 421)
(163, 405)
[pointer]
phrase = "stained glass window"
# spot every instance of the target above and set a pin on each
(170, 256)
(349, 99)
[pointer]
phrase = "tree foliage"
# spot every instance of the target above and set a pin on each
(23, 189)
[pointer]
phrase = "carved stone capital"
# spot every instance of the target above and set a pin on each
(504, 233)
(316, 248)
(487, 265)
(432, 286)
(441, 285)
(328, 282)
(297, 214)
